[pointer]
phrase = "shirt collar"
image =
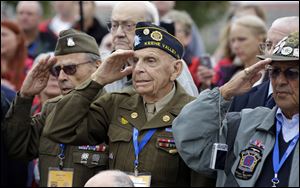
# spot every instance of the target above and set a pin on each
(165, 100)
(288, 123)
(270, 91)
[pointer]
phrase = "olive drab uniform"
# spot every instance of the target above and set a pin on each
(116, 115)
(25, 140)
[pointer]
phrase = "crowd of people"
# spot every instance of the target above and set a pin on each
(136, 101)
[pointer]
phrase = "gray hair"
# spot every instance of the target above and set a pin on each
(151, 12)
(92, 57)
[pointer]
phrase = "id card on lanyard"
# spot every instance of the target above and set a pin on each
(140, 179)
(60, 176)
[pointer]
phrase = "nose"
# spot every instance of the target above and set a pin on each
(139, 67)
(120, 32)
(62, 76)
(281, 79)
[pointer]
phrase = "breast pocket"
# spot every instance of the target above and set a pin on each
(91, 156)
(120, 147)
(167, 159)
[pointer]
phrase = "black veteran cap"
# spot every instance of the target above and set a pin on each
(149, 35)
(73, 41)
(285, 50)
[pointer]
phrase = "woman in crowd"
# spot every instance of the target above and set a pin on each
(14, 59)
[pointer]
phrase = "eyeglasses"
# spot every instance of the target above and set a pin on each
(68, 69)
(289, 73)
(126, 26)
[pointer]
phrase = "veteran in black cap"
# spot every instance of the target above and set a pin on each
(137, 121)
(76, 58)
(262, 143)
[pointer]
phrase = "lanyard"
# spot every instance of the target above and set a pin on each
(276, 163)
(61, 155)
(139, 146)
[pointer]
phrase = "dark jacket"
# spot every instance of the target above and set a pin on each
(25, 137)
(257, 96)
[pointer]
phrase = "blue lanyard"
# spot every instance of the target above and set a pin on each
(61, 155)
(139, 146)
(276, 163)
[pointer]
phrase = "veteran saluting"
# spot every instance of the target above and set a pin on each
(136, 121)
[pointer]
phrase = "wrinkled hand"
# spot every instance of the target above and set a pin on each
(205, 75)
(112, 68)
(37, 78)
(244, 80)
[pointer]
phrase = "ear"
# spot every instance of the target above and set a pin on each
(177, 68)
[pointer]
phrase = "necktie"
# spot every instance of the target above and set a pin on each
(150, 110)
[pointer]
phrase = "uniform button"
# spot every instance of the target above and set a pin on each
(134, 115)
(166, 118)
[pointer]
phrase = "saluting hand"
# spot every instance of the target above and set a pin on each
(37, 78)
(244, 80)
(112, 68)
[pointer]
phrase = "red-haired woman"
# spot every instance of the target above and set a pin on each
(14, 59)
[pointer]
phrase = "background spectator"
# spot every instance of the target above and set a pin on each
(91, 25)
(14, 60)
(29, 15)
(245, 35)
(64, 18)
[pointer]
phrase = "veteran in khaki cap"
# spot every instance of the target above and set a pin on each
(76, 58)
(137, 121)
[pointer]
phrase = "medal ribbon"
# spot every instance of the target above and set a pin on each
(139, 146)
(276, 163)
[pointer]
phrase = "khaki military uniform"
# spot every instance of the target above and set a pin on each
(25, 140)
(114, 115)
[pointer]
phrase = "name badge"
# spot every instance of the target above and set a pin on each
(60, 178)
(141, 180)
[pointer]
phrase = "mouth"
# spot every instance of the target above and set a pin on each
(282, 93)
(142, 82)
(66, 90)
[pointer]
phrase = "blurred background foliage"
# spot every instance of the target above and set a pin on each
(204, 12)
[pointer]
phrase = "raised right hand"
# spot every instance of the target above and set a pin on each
(37, 78)
(243, 81)
(112, 68)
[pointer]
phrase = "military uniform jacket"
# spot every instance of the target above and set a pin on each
(25, 140)
(113, 116)
(197, 127)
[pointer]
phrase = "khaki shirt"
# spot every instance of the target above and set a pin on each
(113, 116)
(25, 140)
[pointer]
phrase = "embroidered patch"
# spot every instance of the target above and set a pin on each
(249, 159)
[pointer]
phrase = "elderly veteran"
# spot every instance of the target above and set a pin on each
(125, 16)
(137, 122)
(76, 58)
(262, 143)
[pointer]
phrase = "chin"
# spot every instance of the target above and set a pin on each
(122, 47)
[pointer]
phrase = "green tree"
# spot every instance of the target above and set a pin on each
(204, 12)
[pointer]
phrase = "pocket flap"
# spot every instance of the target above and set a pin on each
(117, 133)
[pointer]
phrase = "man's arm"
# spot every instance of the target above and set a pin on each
(78, 119)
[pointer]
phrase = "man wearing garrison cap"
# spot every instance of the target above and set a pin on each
(137, 121)
(76, 58)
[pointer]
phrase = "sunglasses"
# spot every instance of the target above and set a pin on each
(289, 73)
(68, 69)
